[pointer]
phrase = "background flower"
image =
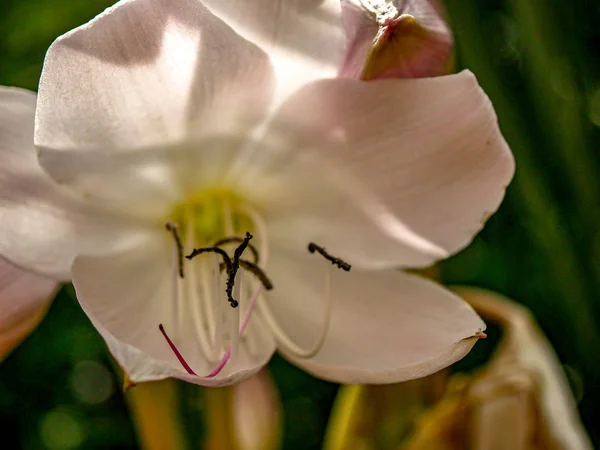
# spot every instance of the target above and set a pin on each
(24, 300)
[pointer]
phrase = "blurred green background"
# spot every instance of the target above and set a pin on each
(539, 61)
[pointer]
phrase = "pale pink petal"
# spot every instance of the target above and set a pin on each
(305, 200)
(149, 73)
(24, 300)
(128, 295)
(408, 39)
(42, 227)
(303, 38)
(146, 183)
(428, 150)
(386, 326)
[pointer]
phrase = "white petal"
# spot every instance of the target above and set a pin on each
(147, 183)
(127, 296)
(429, 150)
(42, 227)
(304, 39)
(146, 73)
(306, 200)
(386, 326)
(24, 300)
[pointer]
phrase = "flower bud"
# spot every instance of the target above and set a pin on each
(395, 39)
(519, 400)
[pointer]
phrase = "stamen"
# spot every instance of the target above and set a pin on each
(285, 340)
(228, 240)
(220, 251)
(256, 271)
(260, 229)
(174, 230)
(243, 325)
(234, 319)
(177, 353)
(234, 268)
(312, 247)
(216, 293)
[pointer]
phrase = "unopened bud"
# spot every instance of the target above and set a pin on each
(395, 39)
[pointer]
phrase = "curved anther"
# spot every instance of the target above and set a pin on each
(220, 251)
(235, 265)
(174, 230)
(256, 271)
(312, 247)
(228, 240)
(232, 265)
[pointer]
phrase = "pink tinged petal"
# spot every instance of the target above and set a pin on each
(128, 295)
(429, 151)
(145, 183)
(386, 326)
(43, 227)
(304, 39)
(392, 39)
(145, 74)
(24, 300)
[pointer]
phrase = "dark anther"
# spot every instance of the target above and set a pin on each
(256, 271)
(232, 272)
(232, 266)
(174, 230)
(228, 240)
(312, 247)
(220, 251)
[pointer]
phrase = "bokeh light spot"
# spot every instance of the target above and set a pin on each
(91, 382)
(61, 431)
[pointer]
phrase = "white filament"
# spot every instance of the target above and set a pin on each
(178, 310)
(285, 340)
(198, 303)
(234, 319)
(217, 297)
(261, 234)
(265, 310)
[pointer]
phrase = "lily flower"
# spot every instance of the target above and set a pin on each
(208, 181)
(396, 39)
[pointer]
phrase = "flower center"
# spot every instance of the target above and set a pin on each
(220, 247)
(216, 223)
(212, 215)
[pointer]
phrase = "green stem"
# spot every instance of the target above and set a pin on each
(219, 419)
(154, 409)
